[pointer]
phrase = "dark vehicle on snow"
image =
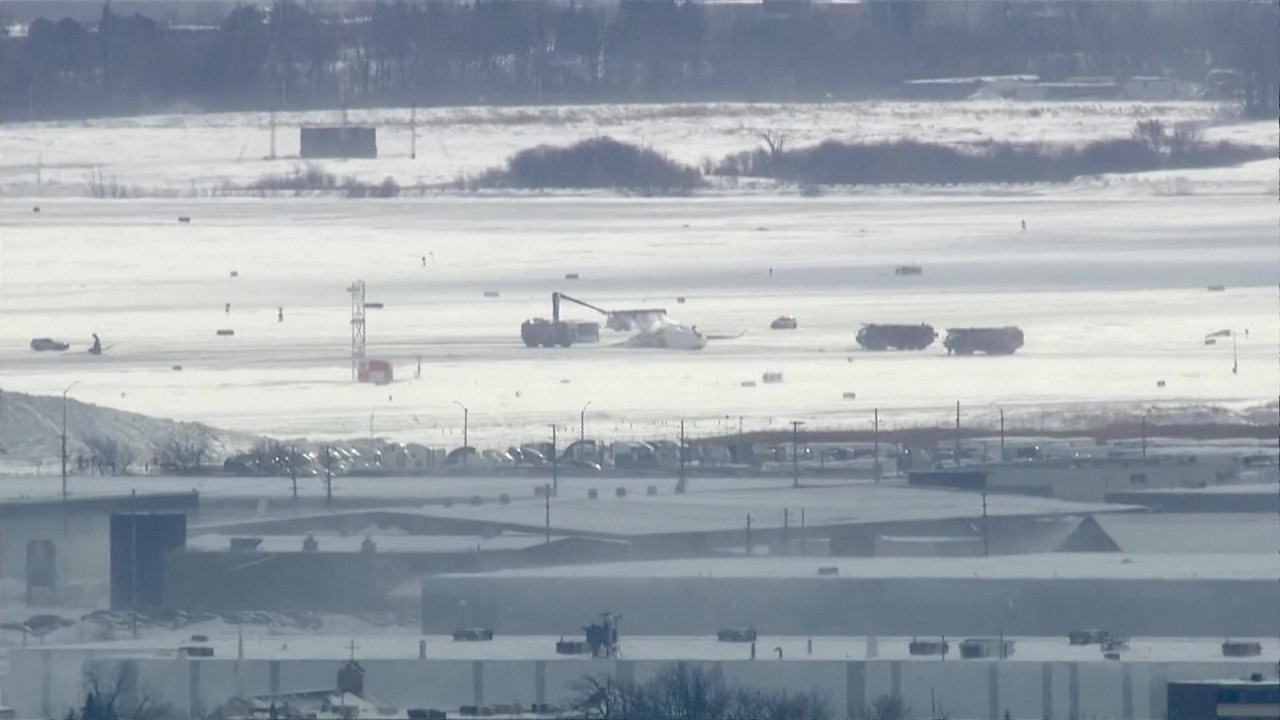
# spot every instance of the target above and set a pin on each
(992, 341)
(896, 337)
(48, 345)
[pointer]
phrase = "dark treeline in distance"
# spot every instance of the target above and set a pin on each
(286, 56)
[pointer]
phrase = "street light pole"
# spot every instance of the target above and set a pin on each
(64, 439)
(1001, 411)
(582, 422)
(1144, 435)
(466, 420)
(795, 452)
(555, 462)
(875, 435)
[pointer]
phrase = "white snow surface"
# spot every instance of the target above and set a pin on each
(170, 154)
(1108, 280)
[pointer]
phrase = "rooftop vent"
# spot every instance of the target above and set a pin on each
(473, 634)
(929, 647)
(1238, 648)
(737, 635)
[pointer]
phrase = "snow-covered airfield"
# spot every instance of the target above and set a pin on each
(1108, 280)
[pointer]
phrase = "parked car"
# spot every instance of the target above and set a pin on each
(784, 322)
(48, 345)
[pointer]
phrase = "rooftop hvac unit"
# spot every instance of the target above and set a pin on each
(1087, 637)
(572, 647)
(1237, 648)
(979, 648)
(1115, 643)
(929, 647)
(197, 651)
(739, 635)
(473, 634)
(421, 714)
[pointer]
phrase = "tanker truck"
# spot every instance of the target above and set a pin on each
(896, 337)
(992, 341)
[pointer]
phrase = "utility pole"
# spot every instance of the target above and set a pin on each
(986, 540)
(795, 452)
(681, 486)
(748, 534)
(555, 462)
(133, 558)
(466, 421)
(328, 476)
(875, 439)
(786, 529)
(1144, 436)
(413, 131)
(293, 469)
(546, 494)
(64, 441)
(582, 423)
(1001, 432)
(957, 452)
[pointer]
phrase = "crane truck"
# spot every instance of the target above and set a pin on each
(540, 332)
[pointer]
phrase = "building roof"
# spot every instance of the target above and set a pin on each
(1156, 533)
(1052, 566)
(386, 543)
(768, 509)
(669, 648)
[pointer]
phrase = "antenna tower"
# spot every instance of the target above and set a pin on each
(357, 324)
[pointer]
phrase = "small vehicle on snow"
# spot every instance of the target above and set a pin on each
(48, 345)
(784, 322)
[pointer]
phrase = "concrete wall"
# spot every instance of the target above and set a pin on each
(851, 606)
(45, 683)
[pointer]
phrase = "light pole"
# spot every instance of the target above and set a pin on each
(555, 462)
(466, 420)
(64, 439)
(1144, 434)
(875, 440)
(997, 407)
(582, 422)
(795, 452)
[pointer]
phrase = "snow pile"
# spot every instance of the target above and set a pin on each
(31, 432)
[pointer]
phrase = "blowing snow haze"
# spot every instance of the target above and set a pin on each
(781, 359)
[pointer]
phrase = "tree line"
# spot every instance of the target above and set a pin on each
(284, 55)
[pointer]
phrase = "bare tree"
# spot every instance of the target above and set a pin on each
(689, 692)
(114, 695)
(775, 140)
(186, 449)
(888, 707)
(109, 455)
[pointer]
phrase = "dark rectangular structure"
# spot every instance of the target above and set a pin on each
(1218, 700)
(339, 142)
(139, 543)
(954, 479)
